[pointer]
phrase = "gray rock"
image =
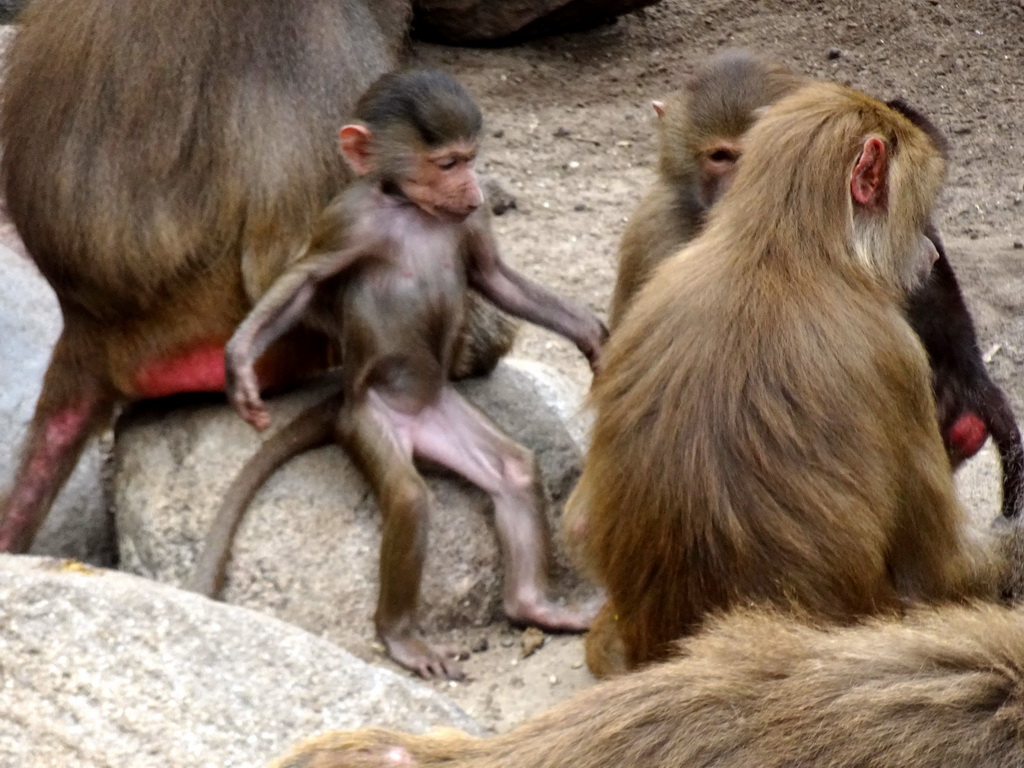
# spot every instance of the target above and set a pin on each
(978, 484)
(473, 21)
(78, 525)
(499, 197)
(307, 550)
(104, 669)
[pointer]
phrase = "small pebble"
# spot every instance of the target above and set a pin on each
(533, 639)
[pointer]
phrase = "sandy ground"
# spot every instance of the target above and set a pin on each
(570, 134)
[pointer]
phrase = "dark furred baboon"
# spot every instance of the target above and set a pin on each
(769, 384)
(386, 274)
(162, 162)
(942, 689)
(968, 404)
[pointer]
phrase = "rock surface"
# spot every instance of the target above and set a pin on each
(105, 669)
(476, 21)
(307, 551)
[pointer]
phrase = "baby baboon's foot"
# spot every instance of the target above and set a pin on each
(426, 661)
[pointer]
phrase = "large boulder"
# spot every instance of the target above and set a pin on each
(30, 322)
(978, 484)
(105, 669)
(480, 21)
(307, 550)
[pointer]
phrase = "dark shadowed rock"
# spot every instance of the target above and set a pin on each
(9, 10)
(478, 21)
(307, 550)
(105, 669)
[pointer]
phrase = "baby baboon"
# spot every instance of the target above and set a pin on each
(387, 274)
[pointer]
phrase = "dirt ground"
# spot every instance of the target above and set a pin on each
(570, 134)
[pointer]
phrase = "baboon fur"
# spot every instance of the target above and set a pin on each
(942, 689)
(764, 423)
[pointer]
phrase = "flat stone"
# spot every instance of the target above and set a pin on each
(101, 668)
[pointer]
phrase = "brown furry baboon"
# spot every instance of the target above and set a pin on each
(942, 689)
(700, 130)
(768, 383)
(700, 138)
(162, 161)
